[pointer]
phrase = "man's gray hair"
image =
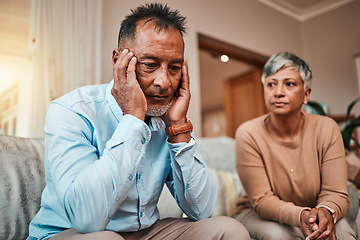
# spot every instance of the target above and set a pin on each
(159, 14)
(282, 60)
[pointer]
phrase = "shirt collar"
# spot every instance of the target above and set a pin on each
(155, 124)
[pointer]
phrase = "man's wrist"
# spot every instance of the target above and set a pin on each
(178, 129)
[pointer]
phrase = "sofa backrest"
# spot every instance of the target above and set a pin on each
(218, 152)
(22, 180)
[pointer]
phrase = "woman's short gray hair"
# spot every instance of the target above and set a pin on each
(282, 60)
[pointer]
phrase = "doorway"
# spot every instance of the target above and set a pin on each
(220, 89)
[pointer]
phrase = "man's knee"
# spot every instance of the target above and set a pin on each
(226, 228)
(72, 234)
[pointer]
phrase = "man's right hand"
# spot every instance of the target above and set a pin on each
(126, 90)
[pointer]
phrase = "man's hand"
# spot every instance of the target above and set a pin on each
(180, 103)
(126, 89)
(176, 114)
(317, 224)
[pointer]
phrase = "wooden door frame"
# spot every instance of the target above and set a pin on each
(242, 54)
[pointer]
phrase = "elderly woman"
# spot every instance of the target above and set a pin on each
(292, 164)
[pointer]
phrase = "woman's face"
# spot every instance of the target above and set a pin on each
(284, 92)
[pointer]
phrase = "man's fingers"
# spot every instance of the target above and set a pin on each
(120, 67)
(130, 72)
(185, 83)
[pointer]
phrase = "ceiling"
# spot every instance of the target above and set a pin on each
(303, 10)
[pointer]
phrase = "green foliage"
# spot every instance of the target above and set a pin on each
(317, 107)
(350, 124)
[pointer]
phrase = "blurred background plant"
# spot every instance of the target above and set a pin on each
(351, 122)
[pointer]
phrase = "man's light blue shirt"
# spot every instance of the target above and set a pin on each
(106, 171)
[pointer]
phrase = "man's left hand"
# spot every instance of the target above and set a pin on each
(176, 114)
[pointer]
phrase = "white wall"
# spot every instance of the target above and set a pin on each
(329, 45)
(245, 23)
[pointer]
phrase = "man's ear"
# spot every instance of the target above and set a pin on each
(115, 55)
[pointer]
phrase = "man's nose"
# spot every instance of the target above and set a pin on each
(162, 79)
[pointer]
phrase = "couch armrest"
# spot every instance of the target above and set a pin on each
(21, 183)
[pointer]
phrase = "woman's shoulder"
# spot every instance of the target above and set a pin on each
(252, 126)
(319, 121)
(323, 127)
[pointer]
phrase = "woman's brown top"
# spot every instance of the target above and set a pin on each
(282, 178)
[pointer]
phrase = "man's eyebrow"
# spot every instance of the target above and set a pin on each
(181, 61)
(145, 56)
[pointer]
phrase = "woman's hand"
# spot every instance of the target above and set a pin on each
(318, 224)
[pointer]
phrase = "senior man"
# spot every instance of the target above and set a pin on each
(111, 148)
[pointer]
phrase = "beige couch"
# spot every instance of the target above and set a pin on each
(22, 181)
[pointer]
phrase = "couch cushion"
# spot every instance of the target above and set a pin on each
(218, 153)
(229, 190)
(21, 183)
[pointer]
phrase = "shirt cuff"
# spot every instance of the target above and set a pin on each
(131, 130)
(187, 146)
(179, 148)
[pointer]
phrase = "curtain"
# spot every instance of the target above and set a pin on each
(65, 41)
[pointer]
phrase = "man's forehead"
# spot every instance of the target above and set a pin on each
(149, 23)
(150, 42)
(148, 35)
(151, 26)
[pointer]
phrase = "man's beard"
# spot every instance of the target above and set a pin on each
(157, 111)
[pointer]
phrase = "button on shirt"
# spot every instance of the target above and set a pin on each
(106, 171)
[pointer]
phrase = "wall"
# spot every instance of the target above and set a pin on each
(329, 44)
(15, 68)
(245, 23)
